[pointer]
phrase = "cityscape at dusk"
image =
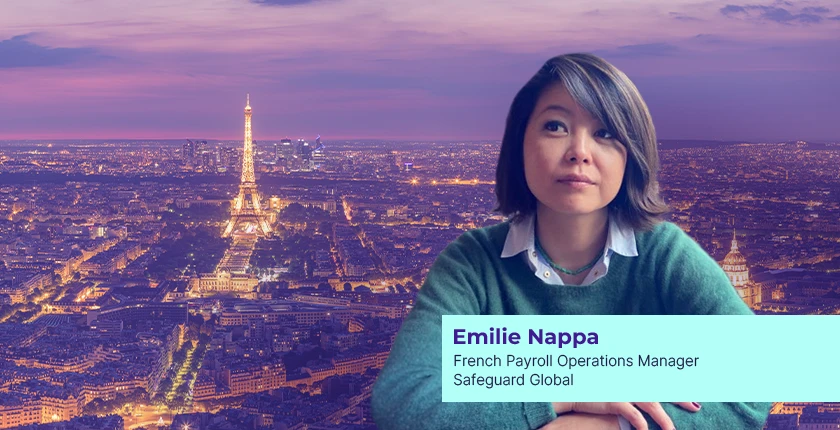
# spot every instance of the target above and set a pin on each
(217, 215)
(149, 284)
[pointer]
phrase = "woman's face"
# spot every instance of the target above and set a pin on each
(573, 165)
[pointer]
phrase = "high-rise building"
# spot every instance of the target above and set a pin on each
(287, 153)
(318, 156)
(394, 161)
(304, 152)
(286, 147)
(208, 159)
(229, 158)
(188, 150)
(246, 214)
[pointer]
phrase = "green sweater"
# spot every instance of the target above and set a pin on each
(671, 275)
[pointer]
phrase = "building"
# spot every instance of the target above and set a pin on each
(279, 203)
(278, 313)
(188, 150)
(361, 360)
(176, 313)
(240, 379)
(284, 153)
(114, 259)
(814, 419)
(109, 389)
(18, 410)
(223, 282)
(254, 378)
(77, 362)
(318, 156)
(735, 266)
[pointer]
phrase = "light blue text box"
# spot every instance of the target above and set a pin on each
(743, 358)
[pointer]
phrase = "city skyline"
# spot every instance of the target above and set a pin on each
(122, 306)
(399, 70)
(164, 265)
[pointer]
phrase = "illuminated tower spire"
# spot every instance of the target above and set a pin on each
(245, 218)
(248, 154)
(734, 242)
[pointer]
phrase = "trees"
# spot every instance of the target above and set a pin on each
(297, 212)
(183, 389)
(197, 250)
(99, 406)
(164, 387)
(93, 407)
(6, 311)
(204, 339)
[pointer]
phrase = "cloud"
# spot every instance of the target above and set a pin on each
(808, 15)
(20, 52)
(641, 50)
(783, 16)
(283, 2)
(835, 18)
(681, 17)
(815, 9)
(732, 9)
(711, 39)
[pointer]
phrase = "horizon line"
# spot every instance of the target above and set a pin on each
(395, 139)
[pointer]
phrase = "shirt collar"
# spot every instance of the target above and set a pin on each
(621, 239)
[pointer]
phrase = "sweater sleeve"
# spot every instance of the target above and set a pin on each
(693, 283)
(407, 393)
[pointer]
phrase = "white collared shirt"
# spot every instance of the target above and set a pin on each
(621, 240)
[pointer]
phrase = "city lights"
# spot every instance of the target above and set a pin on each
(130, 287)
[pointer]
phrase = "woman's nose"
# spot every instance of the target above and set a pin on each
(578, 151)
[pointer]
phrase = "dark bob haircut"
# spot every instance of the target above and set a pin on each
(610, 97)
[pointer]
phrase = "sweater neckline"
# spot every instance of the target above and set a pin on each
(518, 269)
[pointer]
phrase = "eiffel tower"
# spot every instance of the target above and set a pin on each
(246, 214)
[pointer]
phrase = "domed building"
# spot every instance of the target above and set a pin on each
(735, 266)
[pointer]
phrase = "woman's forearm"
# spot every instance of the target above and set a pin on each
(578, 421)
(742, 416)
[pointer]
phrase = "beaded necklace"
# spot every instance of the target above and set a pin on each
(557, 266)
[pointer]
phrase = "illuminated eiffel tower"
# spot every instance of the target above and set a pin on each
(246, 214)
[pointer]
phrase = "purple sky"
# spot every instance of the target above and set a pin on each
(400, 69)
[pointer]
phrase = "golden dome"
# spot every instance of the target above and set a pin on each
(735, 265)
(734, 258)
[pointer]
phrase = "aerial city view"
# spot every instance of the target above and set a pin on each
(155, 283)
(217, 215)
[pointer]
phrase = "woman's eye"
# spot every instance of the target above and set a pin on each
(555, 126)
(603, 133)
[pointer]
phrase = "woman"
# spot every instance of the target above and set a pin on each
(577, 177)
